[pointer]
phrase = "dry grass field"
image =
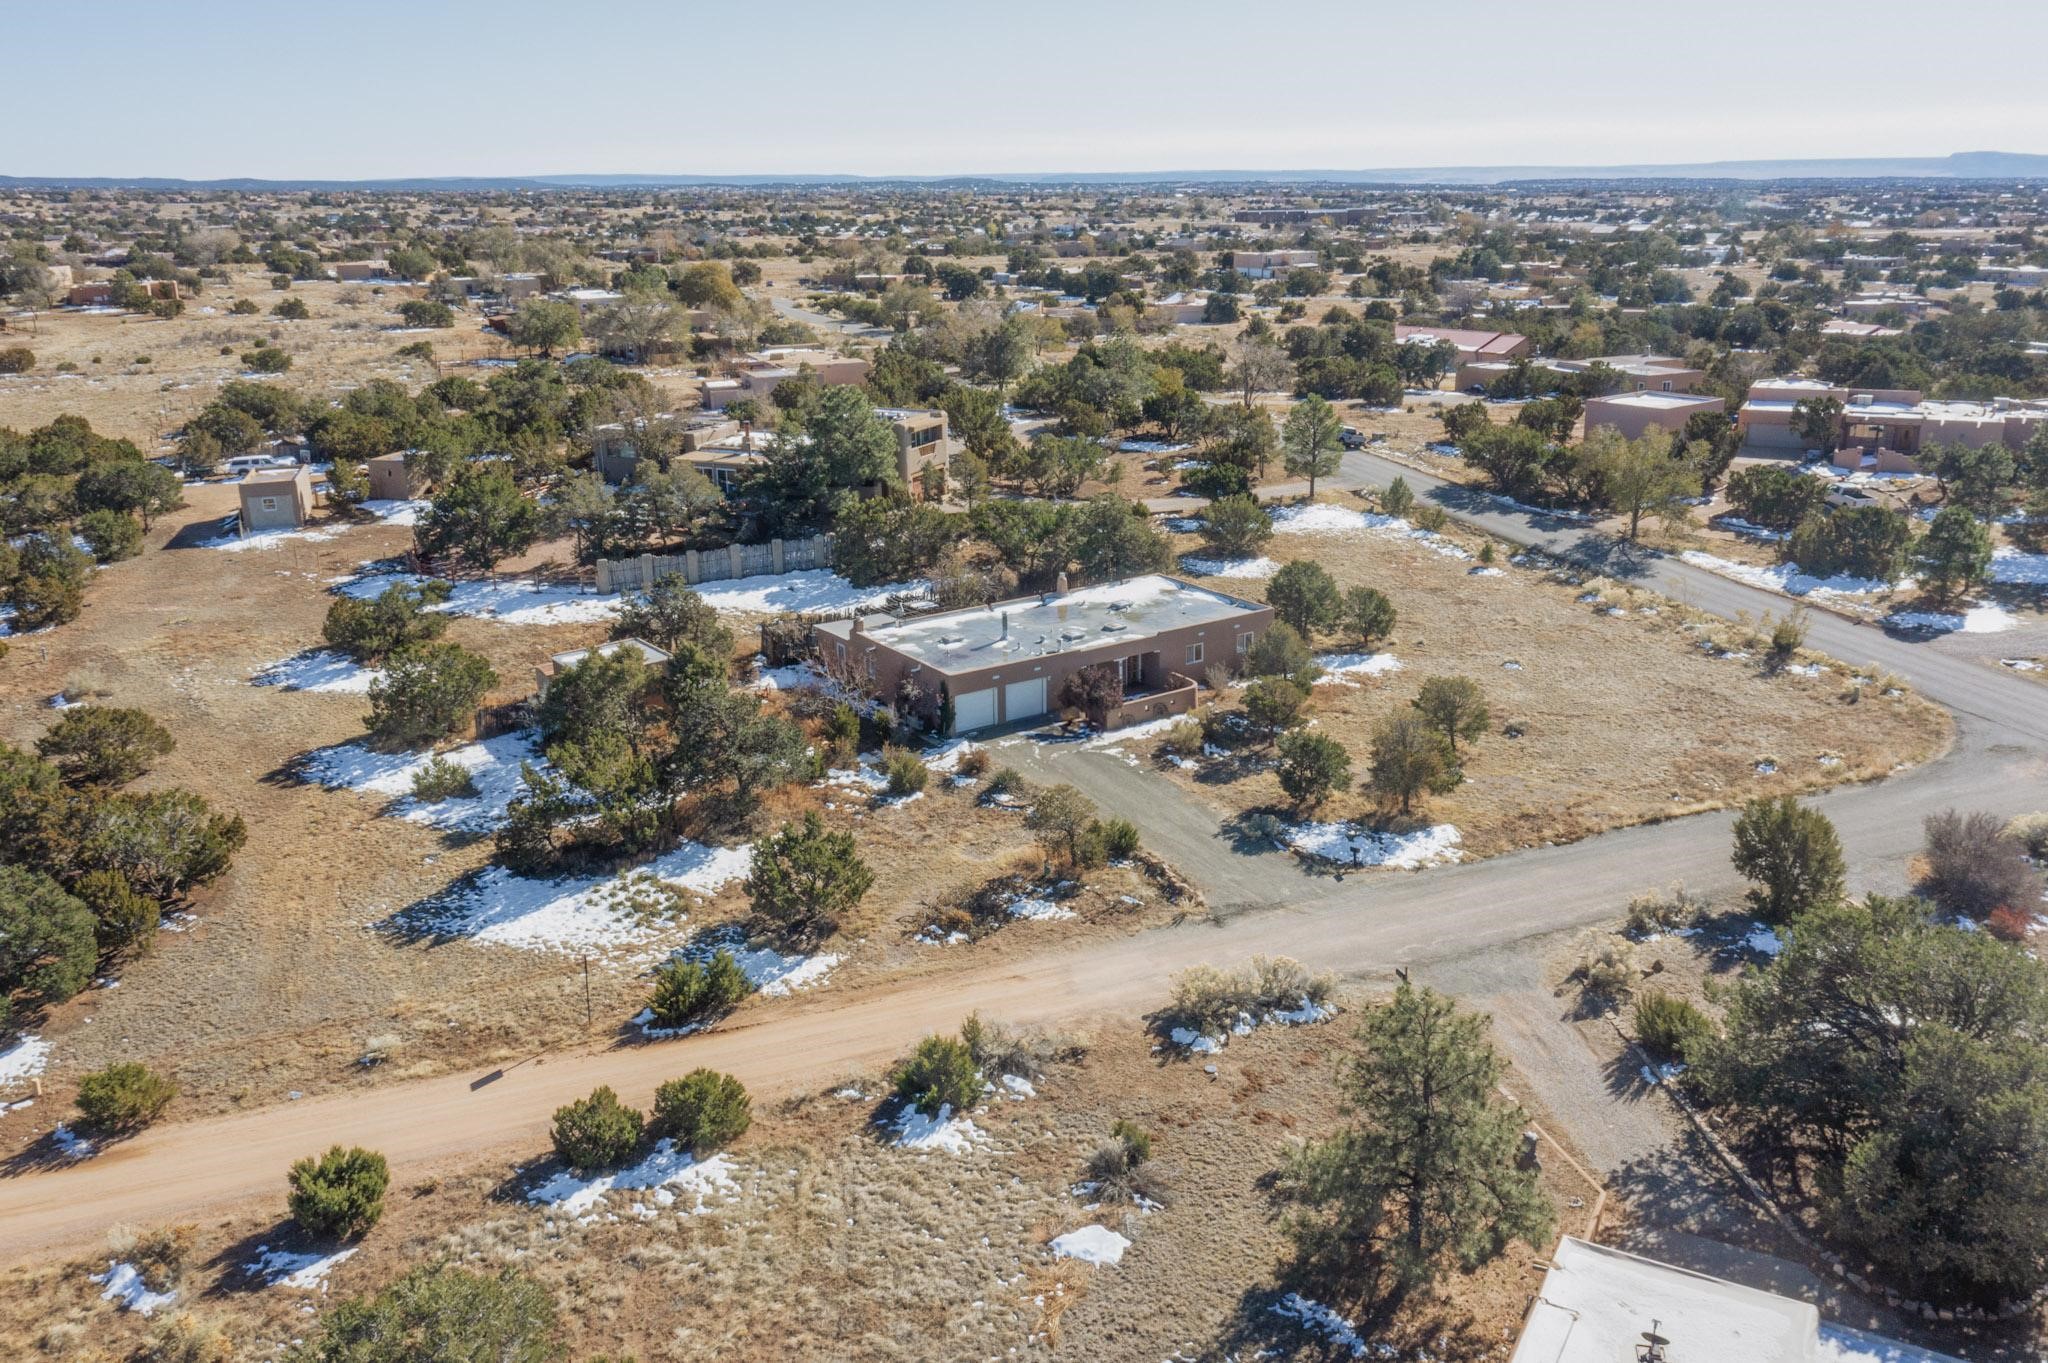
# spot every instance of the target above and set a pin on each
(836, 1244)
(1565, 661)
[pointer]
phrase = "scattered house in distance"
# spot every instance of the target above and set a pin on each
(555, 665)
(1601, 1305)
(1646, 373)
(1266, 264)
(391, 480)
(1482, 355)
(275, 499)
(356, 271)
(1860, 331)
(1634, 413)
(1009, 662)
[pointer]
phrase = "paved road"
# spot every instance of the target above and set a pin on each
(1453, 923)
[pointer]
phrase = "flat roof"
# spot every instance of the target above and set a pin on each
(272, 475)
(1596, 1302)
(648, 652)
(1111, 615)
(1658, 401)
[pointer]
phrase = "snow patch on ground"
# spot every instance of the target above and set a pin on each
(264, 539)
(1786, 579)
(772, 973)
(393, 512)
(574, 913)
(302, 1272)
(939, 1130)
(1341, 669)
(72, 1145)
(814, 591)
(669, 1177)
(2013, 567)
(322, 669)
(1301, 1015)
(1038, 905)
(1229, 567)
(1338, 842)
(509, 601)
(125, 1288)
(1763, 941)
(1318, 518)
(1337, 1331)
(1091, 1245)
(23, 1061)
(1976, 620)
(493, 766)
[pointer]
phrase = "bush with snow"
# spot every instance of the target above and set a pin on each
(702, 1111)
(940, 1073)
(1208, 1002)
(596, 1133)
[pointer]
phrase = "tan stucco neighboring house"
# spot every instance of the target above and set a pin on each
(392, 479)
(1008, 663)
(561, 662)
(1635, 413)
(275, 499)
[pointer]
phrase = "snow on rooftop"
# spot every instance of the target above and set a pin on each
(1596, 1302)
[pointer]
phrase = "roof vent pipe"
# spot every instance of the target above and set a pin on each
(1060, 586)
(1006, 625)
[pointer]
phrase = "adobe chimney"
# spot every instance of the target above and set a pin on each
(860, 623)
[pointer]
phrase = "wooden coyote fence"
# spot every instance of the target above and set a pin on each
(696, 566)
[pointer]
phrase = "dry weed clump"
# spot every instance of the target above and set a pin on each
(159, 1255)
(1607, 970)
(1653, 913)
(1206, 998)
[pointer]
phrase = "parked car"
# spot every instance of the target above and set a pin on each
(1351, 438)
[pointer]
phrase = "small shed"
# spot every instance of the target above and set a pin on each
(391, 479)
(276, 499)
(561, 662)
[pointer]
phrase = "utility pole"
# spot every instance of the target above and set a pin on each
(586, 991)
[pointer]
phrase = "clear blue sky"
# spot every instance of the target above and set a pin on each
(300, 88)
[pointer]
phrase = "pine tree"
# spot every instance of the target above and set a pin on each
(1426, 1173)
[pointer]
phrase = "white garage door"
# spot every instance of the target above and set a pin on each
(974, 710)
(1024, 700)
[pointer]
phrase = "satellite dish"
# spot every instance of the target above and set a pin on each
(1654, 1340)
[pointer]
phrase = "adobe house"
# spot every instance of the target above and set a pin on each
(561, 662)
(921, 443)
(391, 480)
(275, 499)
(1634, 413)
(1009, 662)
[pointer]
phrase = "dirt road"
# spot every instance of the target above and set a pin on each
(1360, 925)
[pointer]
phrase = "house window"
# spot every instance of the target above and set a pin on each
(1667, 385)
(1244, 641)
(842, 653)
(1194, 654)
